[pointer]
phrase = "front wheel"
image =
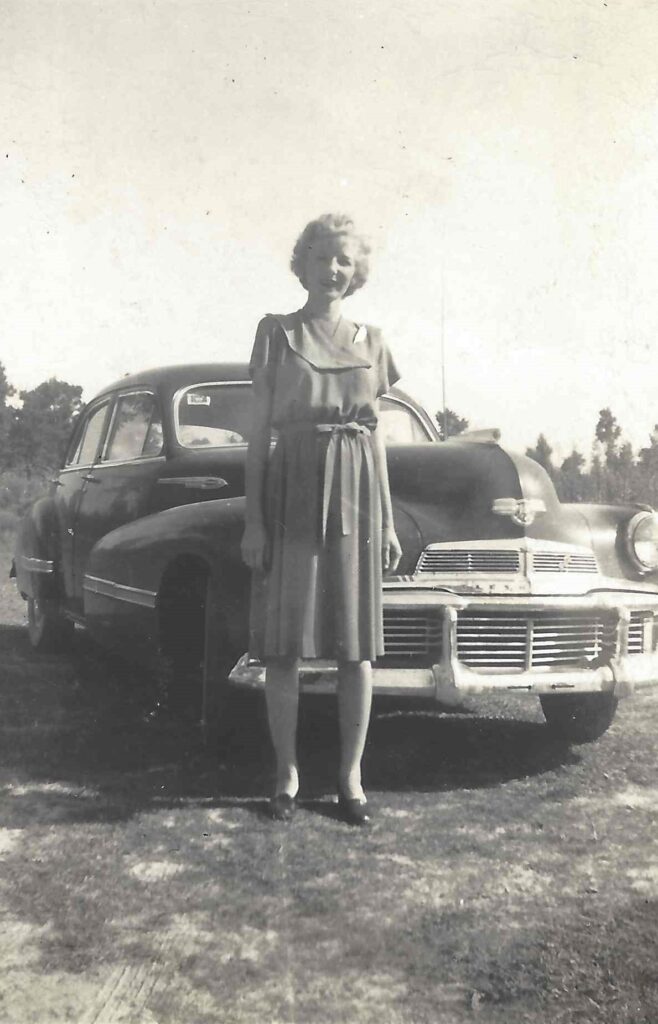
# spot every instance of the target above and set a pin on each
(579, 718)
(47, 628)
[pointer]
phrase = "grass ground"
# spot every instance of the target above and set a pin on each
(506, 878)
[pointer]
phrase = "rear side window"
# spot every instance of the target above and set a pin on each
(214, 415)
(136, 431)
(89, 437)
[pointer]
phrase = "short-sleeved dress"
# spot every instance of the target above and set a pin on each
(321, 594)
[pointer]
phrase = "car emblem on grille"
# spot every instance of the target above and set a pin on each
(521, 511)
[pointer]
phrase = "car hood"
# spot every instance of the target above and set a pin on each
(446, 492)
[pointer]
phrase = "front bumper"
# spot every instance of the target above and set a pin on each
(449, 680)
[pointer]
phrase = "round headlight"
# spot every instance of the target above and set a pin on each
(642, 534)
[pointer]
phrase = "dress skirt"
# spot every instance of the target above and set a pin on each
(321, 596)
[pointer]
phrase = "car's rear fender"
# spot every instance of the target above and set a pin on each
(36, 554)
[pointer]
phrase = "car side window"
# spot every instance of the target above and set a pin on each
(214, 415)
(85, 446)
(400, 424)
(136, 431)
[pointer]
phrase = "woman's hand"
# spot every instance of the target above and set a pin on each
(254, 547)
(391, 550)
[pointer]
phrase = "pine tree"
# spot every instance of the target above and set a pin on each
(455, 423)
(542, 453)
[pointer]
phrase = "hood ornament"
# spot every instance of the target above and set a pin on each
(521, 511)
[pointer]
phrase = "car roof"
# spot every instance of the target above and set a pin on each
(171, 378)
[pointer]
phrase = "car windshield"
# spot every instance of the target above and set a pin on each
(216, 415)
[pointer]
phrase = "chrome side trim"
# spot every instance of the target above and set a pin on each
(97, 466)
(75, 468)
(198, 483)
(119, 591)
(36, 564)
(137, 461)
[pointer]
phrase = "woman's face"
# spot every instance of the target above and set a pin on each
(330, 266)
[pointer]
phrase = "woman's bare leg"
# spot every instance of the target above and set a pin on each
(282, 698)
(354, 704)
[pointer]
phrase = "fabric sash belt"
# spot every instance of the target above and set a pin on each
(335, 461)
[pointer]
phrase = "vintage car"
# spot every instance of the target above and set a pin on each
(501, 588)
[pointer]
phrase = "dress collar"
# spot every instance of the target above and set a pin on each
(347, 349)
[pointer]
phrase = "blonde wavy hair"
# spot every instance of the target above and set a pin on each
(332, 224)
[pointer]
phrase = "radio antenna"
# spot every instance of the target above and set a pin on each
(443, 354)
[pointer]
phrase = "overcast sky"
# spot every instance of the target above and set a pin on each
(159, 159)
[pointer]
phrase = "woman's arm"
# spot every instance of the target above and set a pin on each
(254, 540)
(391, 550)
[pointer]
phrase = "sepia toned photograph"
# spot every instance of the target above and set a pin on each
(328, 529)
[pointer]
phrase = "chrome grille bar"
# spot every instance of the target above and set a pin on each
(413, 633)
(468, 560)
(495, 560)
(636, 632)
(510, 641)
(555, 561)
(527, 640)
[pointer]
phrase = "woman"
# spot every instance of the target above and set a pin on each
(319, 524)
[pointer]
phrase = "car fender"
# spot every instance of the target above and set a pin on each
(36, 554)
(126, 568)
(608, 526)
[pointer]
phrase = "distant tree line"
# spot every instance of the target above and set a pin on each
(615, 473)
(35, 429)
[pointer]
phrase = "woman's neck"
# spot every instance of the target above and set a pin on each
(323, 309)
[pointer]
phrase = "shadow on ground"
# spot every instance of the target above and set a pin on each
(74, 733)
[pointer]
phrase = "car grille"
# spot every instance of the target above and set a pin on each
(413, 633)
(458, 560)
(501, 640)
(636, 632)
(507, 641)
(468, 560)
(556, 561)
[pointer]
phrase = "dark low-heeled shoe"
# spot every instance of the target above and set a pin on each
(282, 807)
(354, 811)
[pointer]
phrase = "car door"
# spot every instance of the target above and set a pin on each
(118, 486)
(70, 484)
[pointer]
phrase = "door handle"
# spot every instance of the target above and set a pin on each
(91, 478)
(196, 483)
(56, 482)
